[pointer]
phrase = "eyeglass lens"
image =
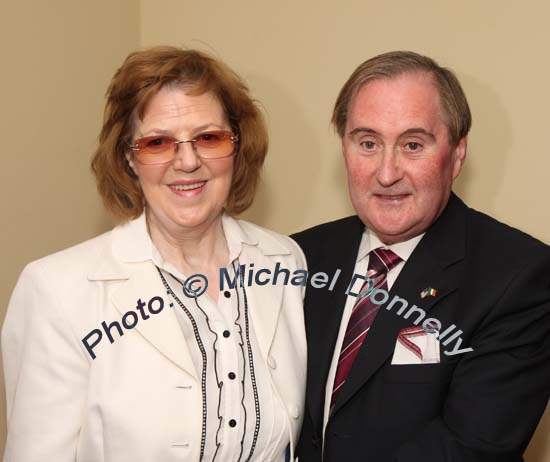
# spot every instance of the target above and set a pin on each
(158, 149)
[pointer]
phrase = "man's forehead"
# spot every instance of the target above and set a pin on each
(409, 96)
(413, 81)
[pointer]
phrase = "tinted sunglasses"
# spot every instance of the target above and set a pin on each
(160, 149)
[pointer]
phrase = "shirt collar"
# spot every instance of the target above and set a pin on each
(236, 236)
(370, 241)
(132, 243)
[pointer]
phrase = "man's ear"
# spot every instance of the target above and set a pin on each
(130, 159)
(459, 156)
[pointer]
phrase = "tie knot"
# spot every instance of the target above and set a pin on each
(382, 260)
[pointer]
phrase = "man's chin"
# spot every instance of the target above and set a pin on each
(390, 223)
(390, 233)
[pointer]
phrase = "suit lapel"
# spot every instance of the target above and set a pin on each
(324, 312)
(432, 264)
(161, 330)
(127, 264)
(264, 302)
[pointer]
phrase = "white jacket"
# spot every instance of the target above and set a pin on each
(139, 400)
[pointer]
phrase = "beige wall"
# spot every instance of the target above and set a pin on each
(58, 58)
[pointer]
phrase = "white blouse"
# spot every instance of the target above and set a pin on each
(243, 419)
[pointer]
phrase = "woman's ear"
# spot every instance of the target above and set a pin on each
(130, 159)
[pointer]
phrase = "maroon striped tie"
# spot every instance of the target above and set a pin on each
(362, 316)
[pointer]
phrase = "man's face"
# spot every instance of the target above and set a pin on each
(400, 163)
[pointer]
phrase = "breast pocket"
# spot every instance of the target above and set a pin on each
(419, 373)
(413, 394)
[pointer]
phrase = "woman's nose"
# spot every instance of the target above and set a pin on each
(185, 157)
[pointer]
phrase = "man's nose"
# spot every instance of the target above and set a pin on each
(389, 169)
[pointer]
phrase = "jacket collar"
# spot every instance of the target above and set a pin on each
(131, 243)
(129, 258)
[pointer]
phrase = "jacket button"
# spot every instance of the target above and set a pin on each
(271, 362)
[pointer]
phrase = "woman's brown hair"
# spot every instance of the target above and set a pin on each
(141, 76)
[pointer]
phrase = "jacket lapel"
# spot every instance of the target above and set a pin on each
(161, 330)
(127, 264)
(264, 302)
(432, 264)
(324, 312)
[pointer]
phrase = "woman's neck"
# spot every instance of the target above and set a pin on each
(202, 249)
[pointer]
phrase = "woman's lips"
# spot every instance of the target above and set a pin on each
(188, 188)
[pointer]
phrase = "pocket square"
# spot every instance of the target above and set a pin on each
(416, 346)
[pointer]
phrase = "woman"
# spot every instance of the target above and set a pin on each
(112, 350)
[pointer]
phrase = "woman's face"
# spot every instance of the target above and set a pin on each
(187, 193)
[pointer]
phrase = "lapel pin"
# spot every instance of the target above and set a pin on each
(428, 292)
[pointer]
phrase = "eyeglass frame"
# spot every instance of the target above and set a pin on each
(234, 139)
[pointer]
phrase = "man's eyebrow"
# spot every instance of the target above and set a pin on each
(417, 131)
(410, 131)
(365, 130)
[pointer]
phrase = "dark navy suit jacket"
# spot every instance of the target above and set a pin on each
(493, 282)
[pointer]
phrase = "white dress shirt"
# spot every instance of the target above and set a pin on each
(243, 419)
(369, 241)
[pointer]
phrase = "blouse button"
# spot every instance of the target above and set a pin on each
(232, 423)
(226, 333)
(232, 375)
(227, 294)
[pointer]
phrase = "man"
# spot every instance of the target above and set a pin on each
(453, 364)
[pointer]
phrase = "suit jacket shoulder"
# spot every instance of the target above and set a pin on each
(79, 250)
(332, 238)
(488, 235)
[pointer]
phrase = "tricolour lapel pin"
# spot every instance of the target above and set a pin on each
(428, 291)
